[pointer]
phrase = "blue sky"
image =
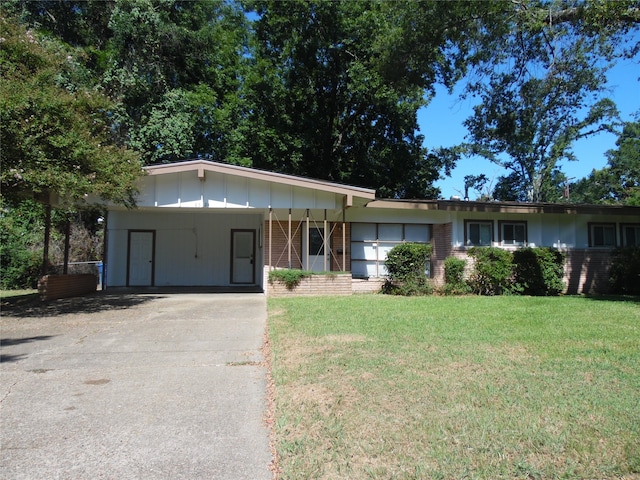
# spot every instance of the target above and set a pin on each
(441, 122)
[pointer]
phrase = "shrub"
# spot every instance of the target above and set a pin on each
(492, 271)
(538, 271)
(624, 271)
(290, 277)
(455, 283)
(406, 268)
(21, 236)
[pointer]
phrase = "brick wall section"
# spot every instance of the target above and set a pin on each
(280, 249)
(587, 271)
(371, 285)
(441, 242)
(52, 287)
(314, 285)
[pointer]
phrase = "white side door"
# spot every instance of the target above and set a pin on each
(243, 247)
(140, 259)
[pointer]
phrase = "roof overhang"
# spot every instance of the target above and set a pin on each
(204, 166)
(504, 207)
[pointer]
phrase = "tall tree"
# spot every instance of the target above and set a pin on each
(55, 139)
(619, 181)
(337, 86)
(545, 89)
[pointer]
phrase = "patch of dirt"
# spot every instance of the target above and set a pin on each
(100, 381)
(270, 412)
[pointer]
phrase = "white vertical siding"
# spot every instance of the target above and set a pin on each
(192, 249)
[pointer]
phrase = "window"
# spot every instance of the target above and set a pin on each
(602, 235)
(478, 233)
(630, 235)
(513, 233)
(370, 243)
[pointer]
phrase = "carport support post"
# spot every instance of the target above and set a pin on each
(344, 243)
(47, 234)
(67, 234)
(270, 235)
(308, 243)
(326, 243)
(289, 241)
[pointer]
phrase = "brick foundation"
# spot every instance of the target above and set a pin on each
(313, 285)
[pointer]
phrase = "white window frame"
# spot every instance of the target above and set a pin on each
(623, 234)
(513, 223)
(467, 232)
(604, 226)
(379, 242)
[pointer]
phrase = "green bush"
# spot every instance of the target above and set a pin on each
(492, 271)
(21, 235)
(290, 277)
(539, 271)
(455, 283)
(406, 270)
(624, 271)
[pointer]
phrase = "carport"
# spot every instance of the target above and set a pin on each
(201, 223)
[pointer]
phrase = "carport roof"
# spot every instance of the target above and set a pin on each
(203, 166)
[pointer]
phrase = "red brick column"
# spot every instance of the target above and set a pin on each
(441, 243)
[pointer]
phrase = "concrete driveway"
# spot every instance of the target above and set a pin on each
(135, 386)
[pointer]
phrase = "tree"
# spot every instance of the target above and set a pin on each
(527, 124)
(337, 86)
(55, 140)
(619, 181)
(177, 69)
(545, 89)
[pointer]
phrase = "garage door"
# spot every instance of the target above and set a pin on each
(370, 243)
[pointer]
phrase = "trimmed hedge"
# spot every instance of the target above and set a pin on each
(492, 271)
(454, 282)
(624, 272)
(527, 271)
(406, 270)
(539, 271)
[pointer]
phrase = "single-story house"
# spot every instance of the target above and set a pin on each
(200, 223)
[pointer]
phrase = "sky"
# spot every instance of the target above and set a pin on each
(441, 122)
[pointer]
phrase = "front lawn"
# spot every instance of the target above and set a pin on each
(373, 386)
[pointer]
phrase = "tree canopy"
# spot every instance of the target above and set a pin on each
(325, 89)
(619, 180)
(55, 139)
(545, 89)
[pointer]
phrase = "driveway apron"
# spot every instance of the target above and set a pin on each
(135, 386)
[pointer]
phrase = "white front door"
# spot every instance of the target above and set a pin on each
(313, 250)
(243, 247)
(140, 260)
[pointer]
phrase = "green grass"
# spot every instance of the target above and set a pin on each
(17, 293)
(471, 387)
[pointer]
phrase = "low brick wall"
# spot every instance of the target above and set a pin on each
(63, 286)
(371, 285)
(313, 285)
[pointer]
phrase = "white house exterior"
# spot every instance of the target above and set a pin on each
(205, 224)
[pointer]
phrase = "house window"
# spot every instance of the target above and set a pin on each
(602, 235)
(478, 233)
(513, 233)
(371, 242)
(630, 235)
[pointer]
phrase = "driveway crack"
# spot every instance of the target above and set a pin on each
(9, 391)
